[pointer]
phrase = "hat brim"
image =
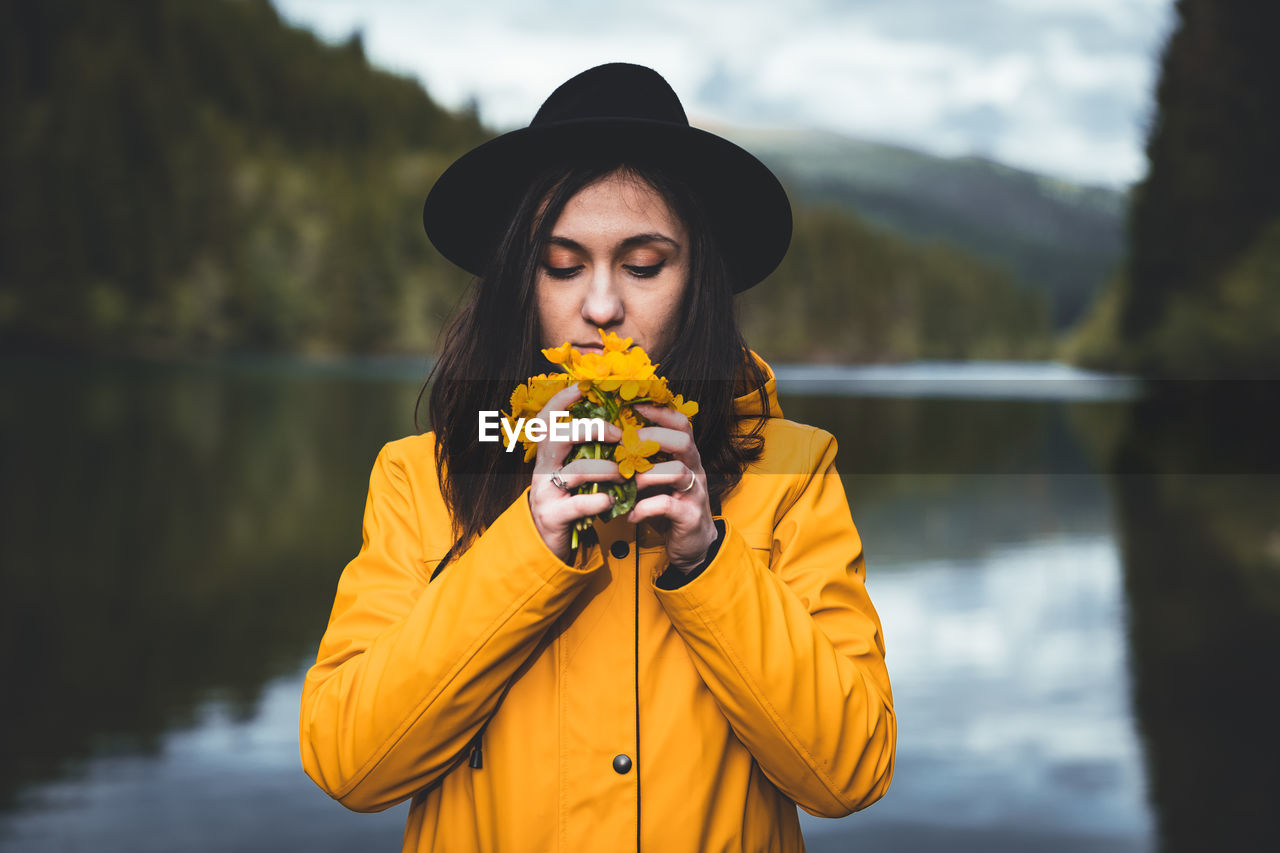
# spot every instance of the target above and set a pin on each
(472, 203)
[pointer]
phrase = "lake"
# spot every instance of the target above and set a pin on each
(1078, 578)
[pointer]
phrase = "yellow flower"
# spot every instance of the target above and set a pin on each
(606, 367)
(628, 418)
(519, 399)
(626, 368)
(591, 367)
(658, 391)
(614, 378)
(613, 343)
(631, 453)
(688, 408)
(527, 401)
(564, 354)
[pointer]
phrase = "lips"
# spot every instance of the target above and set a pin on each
(596, 348)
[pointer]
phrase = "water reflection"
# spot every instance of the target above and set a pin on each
(220, 783)
(1198, 500)
(171, 538)
(1009, 658)
(167, 536)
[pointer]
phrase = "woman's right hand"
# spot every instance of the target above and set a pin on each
(554, 509)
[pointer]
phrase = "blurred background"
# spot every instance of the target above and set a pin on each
(1034, 290)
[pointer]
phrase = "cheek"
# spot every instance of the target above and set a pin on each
(663, 314)
(667, 315)
(556, 308)
(673, 299)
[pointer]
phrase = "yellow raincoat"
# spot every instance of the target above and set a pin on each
(633, 717)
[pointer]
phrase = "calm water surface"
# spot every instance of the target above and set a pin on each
(1076, 586)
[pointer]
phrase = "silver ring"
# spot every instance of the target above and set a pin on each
(693, 478)
(558, 481)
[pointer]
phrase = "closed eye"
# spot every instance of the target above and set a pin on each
(645, 272)
(561, 272)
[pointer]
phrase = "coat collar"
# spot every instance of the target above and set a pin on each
(746, 401)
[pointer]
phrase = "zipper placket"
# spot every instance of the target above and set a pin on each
(635, 646)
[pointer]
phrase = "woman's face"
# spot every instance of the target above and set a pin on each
(617, 260)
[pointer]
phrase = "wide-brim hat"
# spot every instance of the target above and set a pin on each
(614, 110)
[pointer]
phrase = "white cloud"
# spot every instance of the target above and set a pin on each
(1075, 69)
(1060, 86)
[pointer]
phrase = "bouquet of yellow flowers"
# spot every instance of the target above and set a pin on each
(611, 382)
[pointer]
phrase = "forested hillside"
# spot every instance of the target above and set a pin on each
(851, 292)
(197, 176)
(1055, 238)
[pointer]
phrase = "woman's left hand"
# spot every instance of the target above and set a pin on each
(686, 507)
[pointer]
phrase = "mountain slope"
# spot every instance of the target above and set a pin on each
(1054, 237)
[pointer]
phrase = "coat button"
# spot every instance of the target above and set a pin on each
(621, 763)
(620, 549)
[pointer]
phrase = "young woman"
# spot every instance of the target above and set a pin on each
(700, 666)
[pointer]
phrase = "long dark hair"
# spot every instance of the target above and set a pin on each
(493, 343)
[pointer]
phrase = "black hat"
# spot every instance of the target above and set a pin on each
(614, 109)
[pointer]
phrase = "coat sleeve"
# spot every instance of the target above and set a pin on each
(408, 670)
(792, 650)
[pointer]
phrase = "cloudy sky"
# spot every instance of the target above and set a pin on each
(1062, 87)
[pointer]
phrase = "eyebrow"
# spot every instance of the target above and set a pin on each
(635, 240)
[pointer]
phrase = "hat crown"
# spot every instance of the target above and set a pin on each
(615, 90)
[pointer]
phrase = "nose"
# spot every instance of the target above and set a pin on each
(602, 306)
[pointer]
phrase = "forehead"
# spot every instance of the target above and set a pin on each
(618, 202)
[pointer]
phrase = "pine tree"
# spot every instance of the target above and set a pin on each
(1213, 183)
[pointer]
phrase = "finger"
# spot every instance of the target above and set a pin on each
(679, 444)
(564, 512)
(606, 432)
(673, 473)
(554, 517)
(664, 417)
(590, 471)
(665, 506)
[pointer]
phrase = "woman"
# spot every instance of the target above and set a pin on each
(702, 665)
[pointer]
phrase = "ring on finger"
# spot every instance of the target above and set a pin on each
(558, 481)
(693, 478)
